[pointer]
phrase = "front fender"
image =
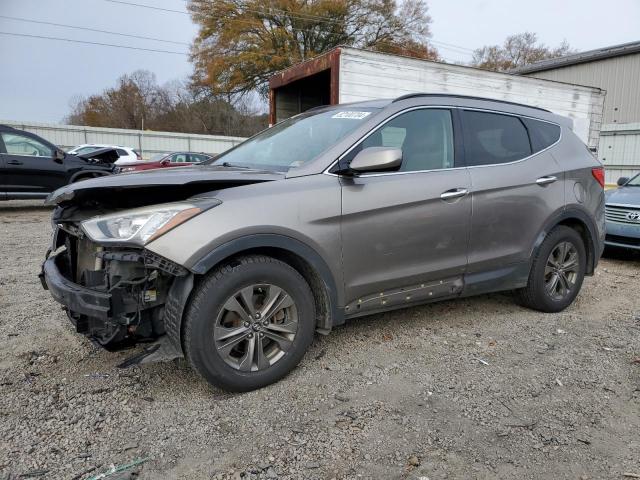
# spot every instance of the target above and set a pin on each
(282, 242)
(89, 173)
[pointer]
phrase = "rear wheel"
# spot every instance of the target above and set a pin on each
(249, 323)
(557, 272)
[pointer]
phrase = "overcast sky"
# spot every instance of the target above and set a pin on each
(39, 77)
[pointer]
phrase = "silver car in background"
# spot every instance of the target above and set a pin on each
(622, 211)
(336, 213)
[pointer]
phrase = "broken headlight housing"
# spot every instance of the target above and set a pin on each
(142, 225)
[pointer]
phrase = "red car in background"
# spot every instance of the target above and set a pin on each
(165, 160)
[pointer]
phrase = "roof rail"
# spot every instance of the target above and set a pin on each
(470, 97)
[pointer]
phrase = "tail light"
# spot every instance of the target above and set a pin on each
(598, 174)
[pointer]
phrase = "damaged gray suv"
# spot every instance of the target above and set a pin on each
(336, 213)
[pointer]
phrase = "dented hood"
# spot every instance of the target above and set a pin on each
(157, 186)
(102, 155)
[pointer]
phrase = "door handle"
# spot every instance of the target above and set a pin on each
(546, 180)
(454, 193)
(14, 162)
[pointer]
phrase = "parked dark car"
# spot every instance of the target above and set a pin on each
(336, 213)
(623, 214)
(165, 160)
(31, 167)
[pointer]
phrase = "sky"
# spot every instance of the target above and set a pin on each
(40, 77)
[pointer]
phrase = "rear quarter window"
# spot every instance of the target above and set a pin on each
(494, 138)
(543, 134)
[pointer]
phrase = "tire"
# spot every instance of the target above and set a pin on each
(217, 316)
(540, 293)
(81, 178)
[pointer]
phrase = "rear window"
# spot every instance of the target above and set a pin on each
(493, 138)
(543, 134)
(121, 152)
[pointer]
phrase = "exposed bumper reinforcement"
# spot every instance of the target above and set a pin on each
(76, 298)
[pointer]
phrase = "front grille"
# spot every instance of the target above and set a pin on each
(619, 214)
(633, 242)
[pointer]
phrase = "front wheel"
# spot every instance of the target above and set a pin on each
(557, 272)
(249, 323)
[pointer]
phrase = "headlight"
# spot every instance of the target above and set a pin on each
(143, 225)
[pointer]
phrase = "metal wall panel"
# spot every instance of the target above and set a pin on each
(619, 76)
(148, 142)
(367, 75)
(620, 150)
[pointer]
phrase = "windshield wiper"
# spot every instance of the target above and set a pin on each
(227, 164)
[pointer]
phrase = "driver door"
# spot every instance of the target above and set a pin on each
(405, 234)
(30, 165)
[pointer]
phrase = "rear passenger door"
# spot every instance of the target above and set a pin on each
(4, 175)
(517, 185)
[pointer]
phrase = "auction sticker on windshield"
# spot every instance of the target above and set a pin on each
(351, 115)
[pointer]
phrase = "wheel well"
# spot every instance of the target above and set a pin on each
(580, 227)
(86, 176)
(303, 267)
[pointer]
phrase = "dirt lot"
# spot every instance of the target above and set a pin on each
(476, 388)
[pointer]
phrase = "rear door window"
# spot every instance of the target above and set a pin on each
(543, 134)
(493, 138)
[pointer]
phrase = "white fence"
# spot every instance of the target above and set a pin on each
(146, 142)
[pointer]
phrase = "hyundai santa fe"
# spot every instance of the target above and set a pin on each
(339, 212)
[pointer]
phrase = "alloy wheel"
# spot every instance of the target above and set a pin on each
(561, 270)
(256, 327)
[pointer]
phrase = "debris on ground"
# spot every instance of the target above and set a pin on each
(118, 469)
(355, 405)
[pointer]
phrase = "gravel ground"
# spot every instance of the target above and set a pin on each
(476, 388)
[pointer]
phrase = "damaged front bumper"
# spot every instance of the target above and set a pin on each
(118, 296)
(76, 298)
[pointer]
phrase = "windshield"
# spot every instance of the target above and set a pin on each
(634, 182)
(82, 150)
(157, 157)
(295, 141)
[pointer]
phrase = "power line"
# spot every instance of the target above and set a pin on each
(92, 43)
(92, 30)
(151, 7)
(298, 15)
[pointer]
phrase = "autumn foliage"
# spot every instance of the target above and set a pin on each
(241, 43)
(516, 51)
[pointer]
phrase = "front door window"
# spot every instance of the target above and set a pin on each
(22, 145)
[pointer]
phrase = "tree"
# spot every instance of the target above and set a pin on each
(241, 43)
(137, 99)
(128, 105)
(516, 51)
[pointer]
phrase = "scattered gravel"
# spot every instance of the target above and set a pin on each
(475, 388)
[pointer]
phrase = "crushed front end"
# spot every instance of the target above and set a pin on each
(113, 288)
(113, 294)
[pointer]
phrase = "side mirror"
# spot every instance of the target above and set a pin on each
(58, 155)
(376, 159)
(622, 181)
(165, 162)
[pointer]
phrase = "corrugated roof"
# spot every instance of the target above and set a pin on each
(582, 57)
